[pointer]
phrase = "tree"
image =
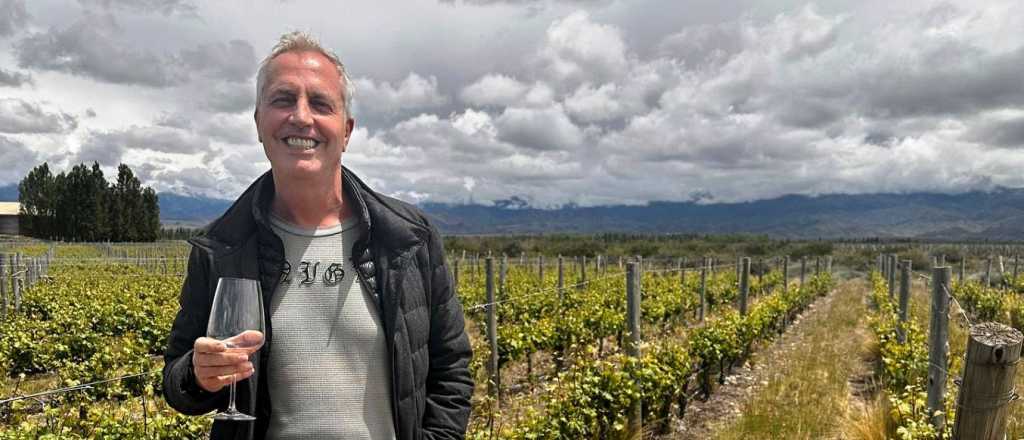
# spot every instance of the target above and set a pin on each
(36, 195)
(81, 206)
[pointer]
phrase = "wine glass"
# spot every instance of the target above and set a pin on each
(236, 319)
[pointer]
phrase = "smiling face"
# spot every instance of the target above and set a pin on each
(301, 117)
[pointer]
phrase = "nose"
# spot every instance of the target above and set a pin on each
(301, 115)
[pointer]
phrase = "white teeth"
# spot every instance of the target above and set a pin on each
(300, 142)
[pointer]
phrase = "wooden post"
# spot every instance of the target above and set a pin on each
(988, 272)
(803, 270)
(938, 345)
(15, 282)
(963, 269)
(993, 351)
(760, 272)
(785, 274)
(3, 287)
(881, 265)
(744, 284)
(905, 270)
(494, 387)
(455, 275)
(1016, 260)
(561, 279)
(501, 275)
(892, 276)
(828, 265)
(701, 310)
(633, 345)
(583, 274)
(540, 268)
(817, 265)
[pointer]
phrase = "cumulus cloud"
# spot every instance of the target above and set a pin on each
(18, 116)
(10, 78)
(13, 16)
(154, 138)
(165, 7)
(95, 47)
(494, 90)
(17, 158)
(540, 129)
(578, 49)
(412, 93)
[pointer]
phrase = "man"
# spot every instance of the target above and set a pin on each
(364, 337)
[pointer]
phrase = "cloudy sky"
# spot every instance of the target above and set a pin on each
(552, 101)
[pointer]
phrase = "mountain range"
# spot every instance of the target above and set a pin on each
(979, 215)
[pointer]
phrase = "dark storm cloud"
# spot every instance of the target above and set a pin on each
(155, 138)
(949, 81)
(17, 158)
(165, 7)
(17, 116)
(232, 61)
(1007, 133)
(12, 16)
(10, 78)
(97, 47)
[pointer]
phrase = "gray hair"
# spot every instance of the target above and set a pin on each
(298, 41)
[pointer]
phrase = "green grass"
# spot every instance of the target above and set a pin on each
(806, 395)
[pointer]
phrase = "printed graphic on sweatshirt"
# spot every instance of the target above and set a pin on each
(309, 272)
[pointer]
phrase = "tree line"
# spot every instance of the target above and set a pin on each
(80, 205)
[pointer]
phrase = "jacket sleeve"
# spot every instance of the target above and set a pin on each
(449, 384)
(179, 384)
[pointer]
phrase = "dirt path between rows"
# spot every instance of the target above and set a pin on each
(729, 402)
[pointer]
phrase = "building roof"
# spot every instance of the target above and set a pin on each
(9, 208)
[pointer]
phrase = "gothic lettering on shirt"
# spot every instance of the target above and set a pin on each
(286, 273)
(334, 274)
(304, 268)
(308, 271)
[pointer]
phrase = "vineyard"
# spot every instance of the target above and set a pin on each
(81, 343)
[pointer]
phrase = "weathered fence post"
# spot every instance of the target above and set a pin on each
(892, 276)
(993, 351)
(561, 278)
(703, 289)
(905, 270)
(540, 268)
(785, 274)
(3, 287)
(583, 274)
(744, 284)
(828, 265)
(15, 282)
(1016, 261)
(938, 345)
(501, 275)
(494, 387)
(963, 269)
(455, 275)
(988, 272)
(803, 270)
(633, 345)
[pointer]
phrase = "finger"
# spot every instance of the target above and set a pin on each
(246, 339)
(229, 378)
(218, 359)
(214, 372)
(208, 345)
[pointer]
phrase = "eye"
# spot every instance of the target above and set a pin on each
(322, 106)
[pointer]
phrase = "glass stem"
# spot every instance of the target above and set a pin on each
(231, 402)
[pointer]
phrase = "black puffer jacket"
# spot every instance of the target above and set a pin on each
(400, 260)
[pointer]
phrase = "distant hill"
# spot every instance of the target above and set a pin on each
(991, 215)
(191, 211)
(995, 215)
(9, 193)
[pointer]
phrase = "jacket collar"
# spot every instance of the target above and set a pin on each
(385, 225)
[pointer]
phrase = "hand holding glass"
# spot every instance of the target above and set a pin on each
(236, 320)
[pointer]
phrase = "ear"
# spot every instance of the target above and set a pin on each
(350, 124)
(256, 120)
